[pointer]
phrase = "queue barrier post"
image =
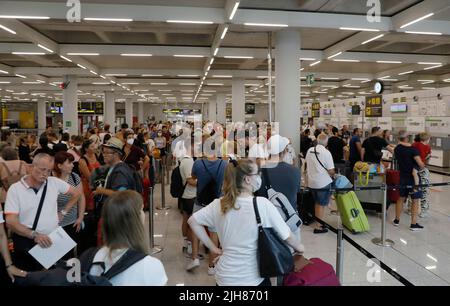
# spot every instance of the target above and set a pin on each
(340, 253)
(163, 190)
(382, 241)
(154, 249)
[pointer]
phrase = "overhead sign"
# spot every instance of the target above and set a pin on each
(310, 79)
(374, 106)
(315, 109)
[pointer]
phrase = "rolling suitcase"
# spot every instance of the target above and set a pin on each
(305, 206)
(316, 273)
(352, 213)
(393, 178)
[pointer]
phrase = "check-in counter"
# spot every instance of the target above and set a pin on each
(440, 151)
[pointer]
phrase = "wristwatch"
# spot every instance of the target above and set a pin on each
(33, 234)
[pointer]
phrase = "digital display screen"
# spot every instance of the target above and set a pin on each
(399, 108)
(356, 110)
(326, 111)
(249, 108)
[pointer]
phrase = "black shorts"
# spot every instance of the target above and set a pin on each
(187, 205)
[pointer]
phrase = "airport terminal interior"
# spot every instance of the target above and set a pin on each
(299, 64)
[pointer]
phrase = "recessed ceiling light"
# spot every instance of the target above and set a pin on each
(280, 25)
(346, 60)
(93, 72)
(406, 72)
(428, 88)
(360, 79)
(359, 29)
(83, 54)
(188, 55)
(152, 75)
(130, 83)
(372, 39)
(432, 67)
(334, 55)
(160, 84)
(65, 58)
(389, 62)
(233, 11)
(23, 17)
(224, 32)
(100, 83)
(108, 19)
(385, 77)
(7, 29)
(190, 21)
(28, 53)
(428, 63)
(423, 33)
(188, 84)
(315, 63)
(136, 54)
(416, 20)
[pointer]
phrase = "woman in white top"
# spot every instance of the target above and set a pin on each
(123, 228)
(233, 217)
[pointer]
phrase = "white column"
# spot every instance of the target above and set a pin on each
(287, 85)
(238, 100)
(212, 110)
(109, 109)
(221, 108)
(42, 116)
(141, 117)
(129, 112)
(70, 105)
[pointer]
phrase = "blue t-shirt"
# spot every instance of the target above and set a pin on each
(215, 167)
(406, 162)
(354, 155)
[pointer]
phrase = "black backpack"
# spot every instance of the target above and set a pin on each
(133, 177)
(176, 183)
(58, 276)
(211, 191)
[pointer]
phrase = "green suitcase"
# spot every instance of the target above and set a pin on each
(352, 213)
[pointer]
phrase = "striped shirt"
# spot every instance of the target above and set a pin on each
(72, 214)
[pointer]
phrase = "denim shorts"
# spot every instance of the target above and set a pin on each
(322, 196)
(407, 191)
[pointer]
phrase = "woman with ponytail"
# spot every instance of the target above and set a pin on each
(233, 216)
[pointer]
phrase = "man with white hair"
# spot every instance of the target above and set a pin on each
(320, 168)
(31, 210)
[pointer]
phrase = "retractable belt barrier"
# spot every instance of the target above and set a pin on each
(369, 255)
(381, 187)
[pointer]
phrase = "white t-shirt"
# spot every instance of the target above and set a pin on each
(23, 201)
(238, 236)
(149, 271)
(186, 164)
(318, 177)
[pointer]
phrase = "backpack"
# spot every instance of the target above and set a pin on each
(176, 182)
(58, 276)
(282, 204)
(12, 177)
(133, 177)
(211, 191)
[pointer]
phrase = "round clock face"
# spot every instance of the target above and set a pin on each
(378, 87)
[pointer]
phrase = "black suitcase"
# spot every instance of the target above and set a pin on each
(305, 206)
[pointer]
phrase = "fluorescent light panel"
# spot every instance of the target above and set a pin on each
(222, 76)
(334, 55)
(406, 72)
(3, 71)
(280, 25)
(238, 56)
(389, 62)
(28, 53)
(423, 33)
(23, 17)
(346, 60)
(428, 63)
(136, 54)
(416, 20)
(234, 10)
(372, 39)
(108, 19)
(188, 55)
(83, 54)
(359, 29)
(21, 76)
(315, 63)
(432, 67)
(224, 32)
(190, 21)
(45, 48)
(7, 29)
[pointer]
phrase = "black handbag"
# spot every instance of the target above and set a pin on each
(274, 256)
(24, 244)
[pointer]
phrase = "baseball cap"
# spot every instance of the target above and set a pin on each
(114, 143)
(277, 144)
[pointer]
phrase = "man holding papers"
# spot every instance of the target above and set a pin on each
(31, 210)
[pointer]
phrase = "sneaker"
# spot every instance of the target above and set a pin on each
(193, 264)
(396, 222)
(416, 227)
(320, 231)
(211, 270)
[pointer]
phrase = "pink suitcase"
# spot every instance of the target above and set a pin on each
(317, 273)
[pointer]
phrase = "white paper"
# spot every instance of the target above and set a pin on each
(61, 244)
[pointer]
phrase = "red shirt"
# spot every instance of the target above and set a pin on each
(423, 149)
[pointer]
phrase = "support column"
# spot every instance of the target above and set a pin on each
(238, 100)
(129, 112)
(287, 85)
(42, 116)
(70, 105)
(109, 109)
(141, 112)
(212, 109)
(221, 105)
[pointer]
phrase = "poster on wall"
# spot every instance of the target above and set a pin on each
(385, 123)
(415, 124)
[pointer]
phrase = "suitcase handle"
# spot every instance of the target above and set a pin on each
(354, 212)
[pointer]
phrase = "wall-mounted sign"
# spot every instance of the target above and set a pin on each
(315, 109)
(374, 106)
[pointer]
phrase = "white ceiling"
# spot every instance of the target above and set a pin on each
(317, 22)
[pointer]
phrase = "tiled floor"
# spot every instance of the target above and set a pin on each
(423, 258)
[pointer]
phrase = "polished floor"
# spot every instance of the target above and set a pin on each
(423, 258)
